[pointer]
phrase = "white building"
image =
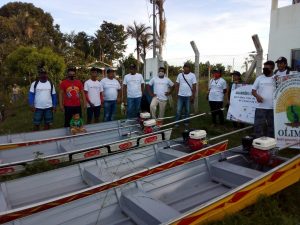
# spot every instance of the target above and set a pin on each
(284, 37)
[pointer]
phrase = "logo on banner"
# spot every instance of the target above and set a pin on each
(287, 112)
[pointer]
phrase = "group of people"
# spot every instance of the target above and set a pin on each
(106, 93)
(72, 96)
(263, 89)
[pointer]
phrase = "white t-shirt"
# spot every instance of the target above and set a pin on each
(264, 86)
(161, 86)
(110, 89)
(93, 89)
(134, 83)
(216, 90)
(43, 97)
(281, 73)
(184, 89)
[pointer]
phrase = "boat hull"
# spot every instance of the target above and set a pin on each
(26, 211)
(245, 196)
(101, 150)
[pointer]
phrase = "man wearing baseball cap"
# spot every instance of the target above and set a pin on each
(282, 66)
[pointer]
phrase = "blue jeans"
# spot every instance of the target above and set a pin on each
(109, 110)
(45, 115)
(133, 107)
(183, 103)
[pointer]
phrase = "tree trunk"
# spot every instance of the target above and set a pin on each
(138, 56)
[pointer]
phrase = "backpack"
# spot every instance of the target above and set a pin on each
(36, 83)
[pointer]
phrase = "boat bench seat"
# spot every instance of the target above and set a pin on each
(143, 209)
(67, 147)
(232, 175)
(93, 175)
(165, 155)
(16, 140)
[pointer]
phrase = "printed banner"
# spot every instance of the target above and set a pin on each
(287, 113)
(242, 105)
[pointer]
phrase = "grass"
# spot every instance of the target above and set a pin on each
(283, 208)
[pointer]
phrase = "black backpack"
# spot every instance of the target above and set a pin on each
(36, 83)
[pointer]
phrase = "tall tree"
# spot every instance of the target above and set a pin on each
(109, 43)
(82, 42)
(135, 32)
(25, 24)
(146, 43)
(24, 61)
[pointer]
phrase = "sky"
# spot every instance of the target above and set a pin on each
(219, 27)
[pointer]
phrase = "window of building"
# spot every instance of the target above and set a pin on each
(296, 60)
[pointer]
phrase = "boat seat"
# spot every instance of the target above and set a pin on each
(232, 175)
(143, 209)
(93, 175)
(16, 139)
(165, 155)
(67, 147)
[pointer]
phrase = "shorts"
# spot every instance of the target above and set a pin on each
(45, 115)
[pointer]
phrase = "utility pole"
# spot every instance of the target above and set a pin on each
(154, 28)
(197, 73)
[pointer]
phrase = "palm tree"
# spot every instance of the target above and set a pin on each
(136, 31)
(146, 43)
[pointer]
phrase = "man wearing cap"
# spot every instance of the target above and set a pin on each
(216, 92)
(111, 92)
(161, 85)
(133, 88)
(185, 87)
(42, 100)
(93, 93)
(70, 96)
(263, 89)
(282, 67)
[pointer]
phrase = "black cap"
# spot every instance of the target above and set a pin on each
(132, 66)
(236, 73)
(109, 70)
(42, 70)
(217, 71)
(187, 65)
(281, 59)
(71, 69)
(95, 69)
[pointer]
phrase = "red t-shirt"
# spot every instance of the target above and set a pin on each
(72, 89)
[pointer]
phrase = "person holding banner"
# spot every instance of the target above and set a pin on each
(236, 83)
(216, 93)
(262, 90)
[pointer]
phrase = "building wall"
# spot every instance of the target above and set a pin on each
(284, 32)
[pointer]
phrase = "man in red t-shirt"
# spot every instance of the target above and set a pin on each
(69, 96)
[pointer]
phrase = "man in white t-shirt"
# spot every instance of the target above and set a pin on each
(111, 92)
(262, 90)
(282, 71)
(216, 92)
(133, 88)
(185, 87)
(162, 88)
(93, 94)
(42, 100)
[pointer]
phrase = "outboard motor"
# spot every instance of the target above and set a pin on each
(262, 150)
(247, 143)
(144, 116)
(149, 126)
(196, 139)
